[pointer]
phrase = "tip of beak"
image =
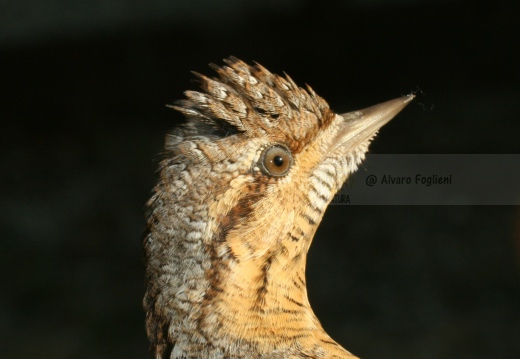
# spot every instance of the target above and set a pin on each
(385, 111)
(359, 126)
(378, 115)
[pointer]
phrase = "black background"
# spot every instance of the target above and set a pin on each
(83, 114)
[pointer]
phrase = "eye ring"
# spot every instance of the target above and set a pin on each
(276, 160)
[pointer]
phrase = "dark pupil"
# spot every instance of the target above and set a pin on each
(278, 161)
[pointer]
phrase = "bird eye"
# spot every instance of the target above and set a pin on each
(276, 160)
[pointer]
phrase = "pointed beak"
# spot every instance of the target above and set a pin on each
(360, 126)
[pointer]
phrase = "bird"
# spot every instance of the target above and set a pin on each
(243, 184)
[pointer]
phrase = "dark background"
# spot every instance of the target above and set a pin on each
(83, 93)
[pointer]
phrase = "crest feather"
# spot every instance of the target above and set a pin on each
(252, 100)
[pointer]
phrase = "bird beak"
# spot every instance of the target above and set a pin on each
(359, 126)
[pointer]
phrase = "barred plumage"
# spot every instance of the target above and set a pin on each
(243, 186)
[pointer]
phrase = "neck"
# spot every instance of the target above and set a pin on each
(262, 301)
(209, 296)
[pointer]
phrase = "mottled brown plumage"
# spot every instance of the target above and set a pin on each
(243, 185)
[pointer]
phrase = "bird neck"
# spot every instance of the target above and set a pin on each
(219, 289)
(263, 297)
(257, 306)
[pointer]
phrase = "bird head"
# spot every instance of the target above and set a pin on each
(243, 186)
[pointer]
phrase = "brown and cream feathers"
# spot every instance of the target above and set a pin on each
(243, 186)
